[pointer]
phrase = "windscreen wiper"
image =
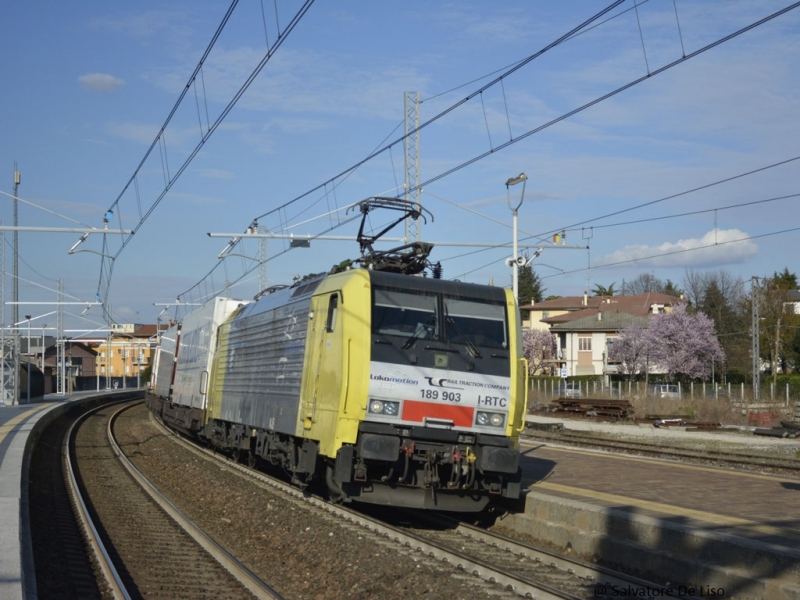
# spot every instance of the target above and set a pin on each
(471, 348)
(421, 328)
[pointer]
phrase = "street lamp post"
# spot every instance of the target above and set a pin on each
(521, 178)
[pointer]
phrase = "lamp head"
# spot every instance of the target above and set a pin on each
(518, 179)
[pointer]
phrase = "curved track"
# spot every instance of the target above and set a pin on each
(516, 567)
(143, 545)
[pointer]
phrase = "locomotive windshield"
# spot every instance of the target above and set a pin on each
(419, 315)
(479, 323)
(405, 314)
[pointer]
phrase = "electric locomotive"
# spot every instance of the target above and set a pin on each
(392, 388)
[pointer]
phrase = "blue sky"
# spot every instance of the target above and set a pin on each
(88, 85)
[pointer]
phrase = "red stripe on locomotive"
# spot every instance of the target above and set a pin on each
(461, 416)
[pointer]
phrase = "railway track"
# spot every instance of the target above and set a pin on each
(707, 456)
(531, 571)
(511, 568)
(143, 545)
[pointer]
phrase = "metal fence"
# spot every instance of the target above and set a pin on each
(768, 391)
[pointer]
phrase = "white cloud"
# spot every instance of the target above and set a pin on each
(716, 248)
(101, 82)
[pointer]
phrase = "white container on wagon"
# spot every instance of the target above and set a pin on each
(164, 362)
(198, 342)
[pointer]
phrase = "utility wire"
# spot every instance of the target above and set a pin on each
(47, 210)
(641, 258)
(687, 214)
(679, 194)
(567, 115)
(606, 96)
(681, 251)
(106, 272)
(450, 108)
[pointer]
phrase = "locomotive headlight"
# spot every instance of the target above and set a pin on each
(384, 407)
(490, 419)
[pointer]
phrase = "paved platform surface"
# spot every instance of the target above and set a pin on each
(16, 423)
(753, 505)
(694, 516)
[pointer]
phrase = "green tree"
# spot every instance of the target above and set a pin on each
(793, 351)
(777, 321)
(785, 280)
(716, 305)
(671, 289)
(601, 290)
(530, 287)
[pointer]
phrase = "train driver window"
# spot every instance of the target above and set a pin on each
(333, 307)
(475, 322)
(404, 314)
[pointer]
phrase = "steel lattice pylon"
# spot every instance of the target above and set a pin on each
(9, 369)
(411, 104)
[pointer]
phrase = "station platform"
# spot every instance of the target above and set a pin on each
(16, 424)
(733, 530)
(20, 425)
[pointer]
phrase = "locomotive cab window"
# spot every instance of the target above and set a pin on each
(404, 314)
(333, 307)
(475, 322)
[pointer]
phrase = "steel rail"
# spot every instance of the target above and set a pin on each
(98, 549)
(646, 449)
(519, 584)
(245, 576)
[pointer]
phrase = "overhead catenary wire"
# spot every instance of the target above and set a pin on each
(106, 266)
(650, 203)
(333, 182)
(548, 124)
(347, 172)
(518, 65)
(646, 258)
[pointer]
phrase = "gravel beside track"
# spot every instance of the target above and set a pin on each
(302, 553)
(153, 555)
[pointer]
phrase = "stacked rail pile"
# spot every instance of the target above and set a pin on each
(678, 421)
(592, 407)
(788, 429)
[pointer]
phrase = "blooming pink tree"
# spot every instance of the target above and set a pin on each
(631, 350)
(538, 346)
(683, 343)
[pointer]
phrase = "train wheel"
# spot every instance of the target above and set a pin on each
(252, 459)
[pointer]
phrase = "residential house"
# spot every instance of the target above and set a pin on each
(80, 359)
(127, 351)
(586, 327)
(793, 304)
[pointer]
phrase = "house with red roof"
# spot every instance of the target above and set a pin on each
(586, 327)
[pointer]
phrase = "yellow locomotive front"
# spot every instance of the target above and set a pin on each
(438, 371)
